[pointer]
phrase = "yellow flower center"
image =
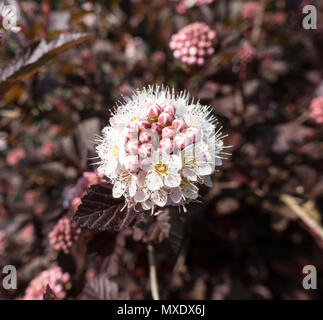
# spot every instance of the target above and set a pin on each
(161, 168)
(115, 151)
(134, 118)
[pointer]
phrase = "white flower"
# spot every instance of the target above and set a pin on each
(162, 170)
(111, 151)
(187, 190)
(200, 117)
(124, 182)
(196, 161)
(162, 178)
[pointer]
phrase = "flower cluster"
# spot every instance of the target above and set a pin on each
(159, 147)
(246, 53)
(193, 43)
(54, 277)
(185, 5)
(64, 234)
(250, 10)
(316, 109)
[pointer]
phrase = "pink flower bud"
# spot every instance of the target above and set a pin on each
(145, 136)
(132, 146)
(201, 44)
(168, 132)
(154, 111)
(129, 132)
(210, 51)
(169, 108)
(191, 60)
(172, 45)
(179, 124)
(132, 163)
(201, 52)
(185, 59)
(193, 134)
(177, 54)
(184, 51)
(167, 145)
(156, 127)
(165, 119)
(200, 61)
(192, 51)
(181, 141)
(208, 44)
(145, 150)
(142, 125)
(212, 35)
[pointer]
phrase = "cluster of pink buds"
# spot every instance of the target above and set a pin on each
(193, 43)
(162, 126)
(246, 53)
(54, 277)
(316, 110)
(64, 234)
(250, 10)
(184, 5)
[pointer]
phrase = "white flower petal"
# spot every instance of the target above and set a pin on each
(146, 164)
(189, 174)
(175, 162)
(141, 178)
(159, 198)
(147, 205)
(203, 169)
(190, 192)
(175, 194)
(141, 195)
(118, 189)
(172, 180)
(132, 187)
(154, 181)
(218, 161)
(207, 181)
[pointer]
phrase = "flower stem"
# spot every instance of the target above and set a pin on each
(152, 272)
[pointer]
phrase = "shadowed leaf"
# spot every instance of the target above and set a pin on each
(49, 294)
(100, 211)
(36, 56)
(102, 288)
(168, 225)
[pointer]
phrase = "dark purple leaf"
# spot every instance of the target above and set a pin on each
(168, 225)
(36, 56)
(102, 288)
(100, 211)
(49, 294)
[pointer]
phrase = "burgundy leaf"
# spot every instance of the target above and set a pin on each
(49, 294)
(100, 211)
(102, 288)
(168, 225)
(36, 56)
